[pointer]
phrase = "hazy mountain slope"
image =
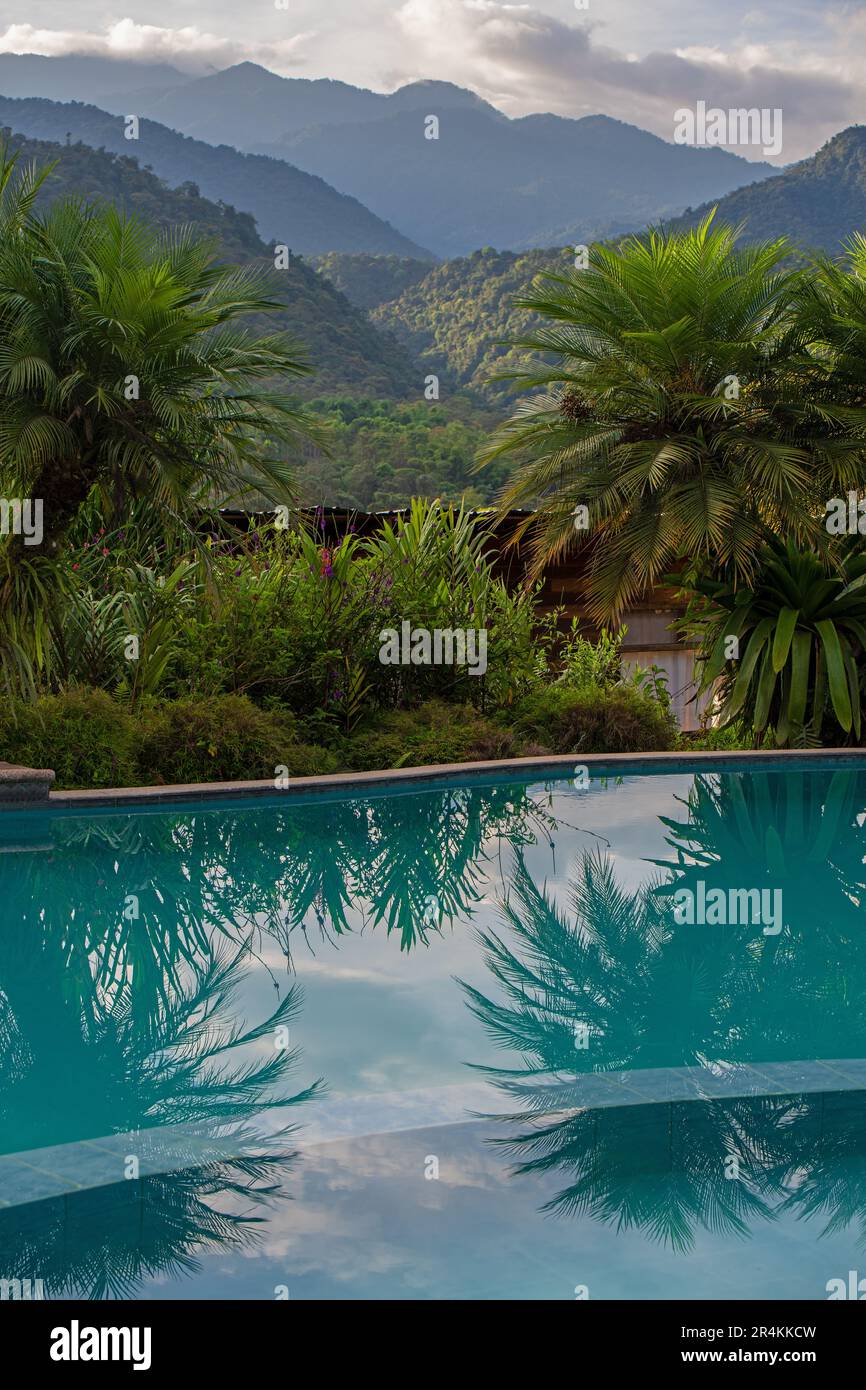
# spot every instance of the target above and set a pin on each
(537, 181)
(348, 352)
(247, 106)
(290, 206)
(79, 78)
(368, 281)
(818, 203)
(99, 176)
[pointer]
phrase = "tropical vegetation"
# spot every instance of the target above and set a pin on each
(694, 417)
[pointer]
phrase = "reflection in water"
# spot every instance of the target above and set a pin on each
(96, 1041)
(104, 1242)
(380, 859)
(614, 984)
(126, 942)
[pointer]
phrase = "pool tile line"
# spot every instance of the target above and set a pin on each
(84, 1164)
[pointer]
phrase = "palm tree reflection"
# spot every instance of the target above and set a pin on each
(179, 1075)
(119, 965)
(611, 983)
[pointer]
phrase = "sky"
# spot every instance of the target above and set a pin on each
(638, 60)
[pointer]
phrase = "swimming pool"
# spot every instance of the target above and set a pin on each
(518, 1038)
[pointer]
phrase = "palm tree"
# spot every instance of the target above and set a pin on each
(675, 404)
(125, 373)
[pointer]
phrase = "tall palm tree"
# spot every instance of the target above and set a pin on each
(126, 372)
(675, 404)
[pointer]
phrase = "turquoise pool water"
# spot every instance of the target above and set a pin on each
(465, 1041)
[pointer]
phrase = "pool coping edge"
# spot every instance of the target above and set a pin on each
(618, 763)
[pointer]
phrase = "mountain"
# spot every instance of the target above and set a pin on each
(818, 203)
(536, 181)
(458, 319)
(76, 78)
(348, 353)
(246, 105)
(291, 207)
(368, 281)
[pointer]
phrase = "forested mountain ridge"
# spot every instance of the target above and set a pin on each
(535, 181)
(290, 206)
(459, 318)
(348, 352)
(818, 202)
(368, 281)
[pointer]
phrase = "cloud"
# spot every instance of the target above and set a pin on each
(523, 59)
(191, 49)
(806, 60)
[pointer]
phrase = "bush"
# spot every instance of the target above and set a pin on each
(732, 738)
(435, 732)
(85, 736)
(220, 739)
(592, 720)
(94, 741)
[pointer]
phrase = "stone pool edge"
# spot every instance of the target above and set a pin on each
(617, 763)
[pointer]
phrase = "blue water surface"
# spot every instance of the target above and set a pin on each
(449, 1042)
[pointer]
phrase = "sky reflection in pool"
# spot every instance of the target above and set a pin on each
(316, 1001)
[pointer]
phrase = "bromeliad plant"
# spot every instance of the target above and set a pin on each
(785, 654)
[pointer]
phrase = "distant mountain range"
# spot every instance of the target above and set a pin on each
(487, 180)
(349, 354)
(457, 316)
(538, 181)
(818, 203)
(291, 207)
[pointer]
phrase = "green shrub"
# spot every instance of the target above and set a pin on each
(592, 720)
(220, 739)
(732, 737)
(584, 663)
(85, 736)
(435, 732)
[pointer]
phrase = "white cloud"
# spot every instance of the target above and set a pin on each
(538, 56)
(525, 59)
(190, 48)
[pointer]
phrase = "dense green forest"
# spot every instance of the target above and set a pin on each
(456, 319)
(383, 452)
(818, 202)
(347, 352)
(368, 281)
